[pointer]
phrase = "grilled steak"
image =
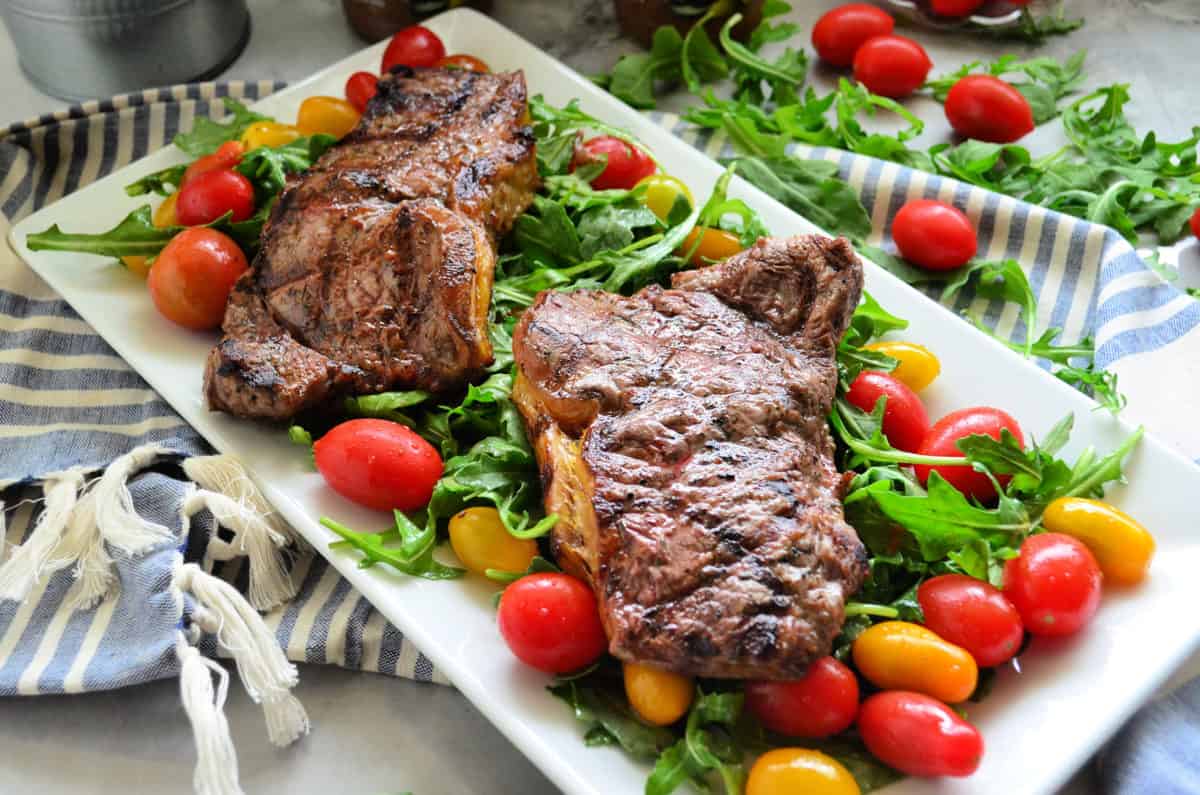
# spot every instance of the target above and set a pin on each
(682, 439)
(375, 270)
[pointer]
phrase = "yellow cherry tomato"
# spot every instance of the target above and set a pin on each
(481, 542)
(897, 655)
(268, 133)
(329, 115)
(163, 217)
(1122, 546)
(662, 191)
(659, 697)
(918, 366)
(799, 771)
(715, 245)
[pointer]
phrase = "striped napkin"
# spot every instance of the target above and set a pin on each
(132, 554)
(71, 410)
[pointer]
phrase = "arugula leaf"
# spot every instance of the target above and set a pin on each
(631, 269)
(206, 135)
(610, 227)
(538, 565)
(161, 182)
(783, 74)
(767, 31)
(634, 77)
(599, 702)
(267, 167)
(716, 212)
(810, 188)
(135, 235)
(547, 234)
(386, 405)
(375, 549)
(557, 129)
(700, 61)
(1035, 29)
(708, 744)
(870, 321)
(944, 520)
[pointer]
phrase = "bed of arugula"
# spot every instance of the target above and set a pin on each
(574, 237)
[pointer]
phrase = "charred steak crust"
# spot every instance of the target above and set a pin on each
(376, 265)
(682, 439)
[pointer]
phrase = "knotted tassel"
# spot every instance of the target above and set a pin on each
(120, 525)
(39, 556)
(224, 474)
(265, 672)
(216, 760)
(93, 565)
(270, 583)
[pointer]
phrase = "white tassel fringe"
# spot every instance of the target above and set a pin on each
(270, 582)
(265, 672)
(79, 518)
(93, 565)
(226, 475)
(216, 760)
(39, 556)
(119, 523)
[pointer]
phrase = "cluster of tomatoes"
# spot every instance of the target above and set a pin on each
(191, 277)
(860, 35)
(416, 46)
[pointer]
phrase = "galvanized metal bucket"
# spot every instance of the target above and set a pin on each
(80, 49)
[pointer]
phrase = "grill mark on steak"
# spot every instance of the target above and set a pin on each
(375, 266)
(681, 436)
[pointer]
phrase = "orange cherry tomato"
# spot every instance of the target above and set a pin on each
(466, 62)
(1120, 544)
(897, 655)
(328, 115)
(715, 245)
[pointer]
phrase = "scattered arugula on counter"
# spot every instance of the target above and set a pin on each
(1036, 28)
(1043, 81)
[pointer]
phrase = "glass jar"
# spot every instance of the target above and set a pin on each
(378, 19)
(640, 18)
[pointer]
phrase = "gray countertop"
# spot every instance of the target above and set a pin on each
(374, 734)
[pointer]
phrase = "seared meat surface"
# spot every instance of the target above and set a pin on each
(376, 265)
(682, 439)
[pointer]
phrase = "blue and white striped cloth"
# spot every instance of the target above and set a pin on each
(67, 401)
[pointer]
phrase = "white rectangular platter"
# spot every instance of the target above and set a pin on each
(1040, 725)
